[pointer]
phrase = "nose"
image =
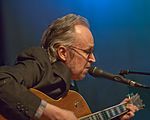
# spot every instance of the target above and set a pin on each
(92, 58)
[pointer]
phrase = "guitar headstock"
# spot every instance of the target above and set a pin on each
(136, 100)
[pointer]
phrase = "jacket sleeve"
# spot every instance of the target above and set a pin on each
(15, 82)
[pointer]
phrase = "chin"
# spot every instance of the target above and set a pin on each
(82, 76)
(79, 76)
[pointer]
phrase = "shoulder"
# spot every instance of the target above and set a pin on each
(34, 54)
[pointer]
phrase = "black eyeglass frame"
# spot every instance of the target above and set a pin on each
(88, 51)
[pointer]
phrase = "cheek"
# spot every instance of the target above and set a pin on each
(77, 68)
(75, 65)
(79, 65)
(79, 62)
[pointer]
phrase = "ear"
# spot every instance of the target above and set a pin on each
(62, 53)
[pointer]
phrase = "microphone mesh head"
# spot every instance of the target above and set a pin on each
(94, 71)
(91, 69)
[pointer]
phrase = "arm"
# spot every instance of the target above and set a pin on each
(17, 99)
(55, 113)
(48, 110)
(14, 92)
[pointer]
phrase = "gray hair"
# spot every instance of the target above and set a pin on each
(61, 32)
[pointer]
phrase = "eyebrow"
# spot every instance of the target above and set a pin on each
(90, 48)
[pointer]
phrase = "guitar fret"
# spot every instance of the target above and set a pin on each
(112, 111)
(104, 115)
(97, 117)
(122, 108)
(94, 117)
(118, 110)
(100, 116)
(90, 117)
(111, 115)
(108, 113)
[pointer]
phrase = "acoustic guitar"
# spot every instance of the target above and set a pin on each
(73, 101)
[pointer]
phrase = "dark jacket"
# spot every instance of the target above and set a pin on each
(32, 70)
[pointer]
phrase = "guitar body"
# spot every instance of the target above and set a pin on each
(73, 101)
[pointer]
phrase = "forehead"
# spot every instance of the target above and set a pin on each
(84, 37)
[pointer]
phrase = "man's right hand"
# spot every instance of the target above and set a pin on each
(55, 113)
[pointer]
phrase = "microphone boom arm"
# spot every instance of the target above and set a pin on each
(126, 72)
(96, 72)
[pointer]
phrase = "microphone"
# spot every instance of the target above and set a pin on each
(96, 72)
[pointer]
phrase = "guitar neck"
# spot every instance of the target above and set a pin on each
(107, 114)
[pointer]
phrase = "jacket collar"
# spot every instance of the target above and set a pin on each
(63, 71)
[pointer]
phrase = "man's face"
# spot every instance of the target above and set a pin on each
(81, 52)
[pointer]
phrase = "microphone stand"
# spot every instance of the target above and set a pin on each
(126, 72)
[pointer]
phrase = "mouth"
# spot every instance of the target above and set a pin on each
(88, 67)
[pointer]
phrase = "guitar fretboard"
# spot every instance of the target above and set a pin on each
(107, 114)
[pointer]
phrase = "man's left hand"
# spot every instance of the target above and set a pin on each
(131, 111)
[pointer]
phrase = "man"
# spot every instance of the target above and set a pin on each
(66, 53)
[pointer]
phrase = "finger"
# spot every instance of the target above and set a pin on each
(126, 100)
(130, 114)
(132, 108)
(127, 116)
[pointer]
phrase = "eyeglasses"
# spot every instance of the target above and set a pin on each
(88, 52)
